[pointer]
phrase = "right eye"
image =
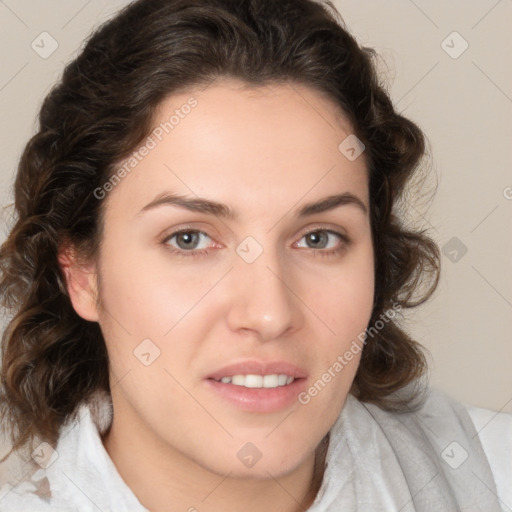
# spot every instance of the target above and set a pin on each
(190, 241)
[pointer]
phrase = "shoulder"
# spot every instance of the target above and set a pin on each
(31, 494)
(494, 430)
(470, 447)
(47, 478)
(425, 455)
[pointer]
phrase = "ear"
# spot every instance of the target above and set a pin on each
(81, 283)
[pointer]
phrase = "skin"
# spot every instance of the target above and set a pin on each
(265, 152)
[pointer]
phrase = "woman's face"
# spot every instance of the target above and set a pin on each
(216, 335)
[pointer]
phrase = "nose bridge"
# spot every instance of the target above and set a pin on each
(263, 301)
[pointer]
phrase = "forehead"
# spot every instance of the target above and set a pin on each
(272, 143)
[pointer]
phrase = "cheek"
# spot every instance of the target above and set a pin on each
(149, 295)
(345, 298)
(345, 304)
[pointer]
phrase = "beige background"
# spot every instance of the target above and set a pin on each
(463, 104)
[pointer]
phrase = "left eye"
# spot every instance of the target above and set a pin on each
(188, 240)
(322, 239)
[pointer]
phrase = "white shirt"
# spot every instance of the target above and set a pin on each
(84, 478)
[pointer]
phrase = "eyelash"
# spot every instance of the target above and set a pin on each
(316, 252)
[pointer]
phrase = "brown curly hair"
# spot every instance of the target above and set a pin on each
(102, 108)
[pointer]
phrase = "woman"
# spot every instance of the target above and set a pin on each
(207, 274)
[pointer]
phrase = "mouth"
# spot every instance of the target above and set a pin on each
(257, 386)
(258, 381)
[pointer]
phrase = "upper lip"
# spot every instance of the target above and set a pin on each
(252, 367)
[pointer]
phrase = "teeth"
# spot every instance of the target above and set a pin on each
(258, 381)
(270, 381)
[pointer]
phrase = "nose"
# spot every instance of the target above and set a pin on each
(262, 299)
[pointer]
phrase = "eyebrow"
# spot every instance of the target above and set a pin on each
(207, 206)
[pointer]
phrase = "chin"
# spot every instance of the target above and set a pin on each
(251, 463)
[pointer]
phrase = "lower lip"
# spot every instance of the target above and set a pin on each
(258, 399)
